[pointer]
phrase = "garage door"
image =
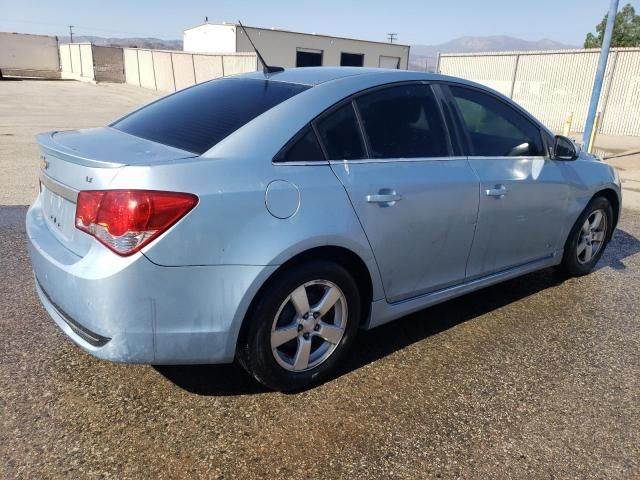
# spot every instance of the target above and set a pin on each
(389, 62)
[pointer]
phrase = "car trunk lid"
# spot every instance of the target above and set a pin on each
(88, 160)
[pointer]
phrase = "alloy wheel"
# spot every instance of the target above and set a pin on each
(309, 325)
(591, 236)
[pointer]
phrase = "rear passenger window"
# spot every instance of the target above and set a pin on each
(304, 149)
(496, 129)
(403, 122)
(340, 135)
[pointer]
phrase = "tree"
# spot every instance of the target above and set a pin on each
(626, 30)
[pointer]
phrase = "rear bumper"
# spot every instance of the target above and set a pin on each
(132, 310)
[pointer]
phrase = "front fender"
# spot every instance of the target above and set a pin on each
(587, 177)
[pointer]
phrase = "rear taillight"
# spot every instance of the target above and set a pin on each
(127, 220)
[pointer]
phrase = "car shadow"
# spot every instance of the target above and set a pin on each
(622, 245)
(209, 380)
(375, 344)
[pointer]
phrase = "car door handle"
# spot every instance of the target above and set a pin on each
(498, 191)
(384, 199)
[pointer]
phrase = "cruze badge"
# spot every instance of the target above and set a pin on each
(88, 179)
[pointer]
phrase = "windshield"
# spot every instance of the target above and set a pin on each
(197, 118)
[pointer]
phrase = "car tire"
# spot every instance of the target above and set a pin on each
(588, 238)
(283, 328)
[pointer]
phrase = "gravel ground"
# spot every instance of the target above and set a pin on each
(538, 377)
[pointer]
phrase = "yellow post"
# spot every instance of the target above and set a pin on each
(567, 124)
(596, 126)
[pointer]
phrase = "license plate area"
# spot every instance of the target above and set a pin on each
(59, 214)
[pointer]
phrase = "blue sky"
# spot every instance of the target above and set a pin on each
(415, 21)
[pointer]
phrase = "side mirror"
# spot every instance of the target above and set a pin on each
(564, 148)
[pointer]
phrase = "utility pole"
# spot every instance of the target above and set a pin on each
(392, 37)
(70, 33)
(602, 64)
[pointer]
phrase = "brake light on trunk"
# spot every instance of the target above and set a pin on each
(127, 220)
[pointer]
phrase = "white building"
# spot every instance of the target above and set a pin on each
(294, 49)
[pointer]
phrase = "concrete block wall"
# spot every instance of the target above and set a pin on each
(65, 58)
(86, 59)
(83, 61)
(131, 70)
(163, 71)
(76, 61)
(168, 71)
(29, 55)
(183, 70)
(206, 67)
(108, 64)
(72, 63)
(147, 73)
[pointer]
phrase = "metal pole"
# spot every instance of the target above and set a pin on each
(607, 89)
(602, 64)
(567, 124)
(592, 139)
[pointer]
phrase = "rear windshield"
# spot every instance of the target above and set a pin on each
(197, 118)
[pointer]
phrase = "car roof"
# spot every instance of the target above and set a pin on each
(317, 75)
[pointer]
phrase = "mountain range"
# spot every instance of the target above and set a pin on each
(139, 42)
(424, 57)
(421, 57)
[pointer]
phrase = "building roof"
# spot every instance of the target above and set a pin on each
(233, 24)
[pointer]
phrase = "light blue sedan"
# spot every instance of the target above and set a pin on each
(269, 217)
